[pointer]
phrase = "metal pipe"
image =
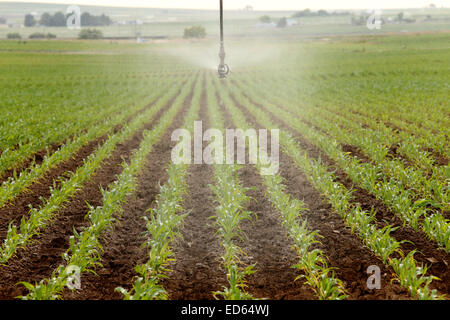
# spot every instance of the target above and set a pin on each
(223, 69)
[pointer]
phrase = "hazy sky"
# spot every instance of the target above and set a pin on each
(257, 4)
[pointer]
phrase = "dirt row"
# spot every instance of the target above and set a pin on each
(197, 271)
(122, 247)
(344, 250)
(42, 255)
(427, 251)
(267, 243)
(38, 157)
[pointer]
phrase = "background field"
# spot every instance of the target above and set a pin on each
(171, 22)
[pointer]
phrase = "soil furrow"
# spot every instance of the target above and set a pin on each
(269, 247)
(427, 250)
(43, 255)
(38, 157)
(41, 189)
(122, 247)
(343, 249)
(197, 271)
(267, 243)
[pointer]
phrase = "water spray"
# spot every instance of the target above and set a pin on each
(223, 69)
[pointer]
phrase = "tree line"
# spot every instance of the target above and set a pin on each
(59, 19)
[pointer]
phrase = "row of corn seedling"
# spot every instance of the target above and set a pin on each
(163, 223)
(421, 136)
(73, 121)
(400, 200)
(85, 249)
(312, 261)
(18, 183)
(231, 200)
(407, 271)
(382, 137)
(375, 145)
(39, 217)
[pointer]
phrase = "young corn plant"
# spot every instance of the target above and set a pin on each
(163, 224)
(391, 191)
(414, 277)
(18, 183)
(40, 217)
(85, 248)
(231, 200)
(340, 201)
(311, 261)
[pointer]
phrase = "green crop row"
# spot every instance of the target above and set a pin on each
(38, 126)
(163, 224)
(39, 217)
(17, 184)
(312, 262)
(370, 177)
(408, 273)
(85, 247)
(231, 200)
(430, 138)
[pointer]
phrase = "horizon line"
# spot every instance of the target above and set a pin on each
(209, 9)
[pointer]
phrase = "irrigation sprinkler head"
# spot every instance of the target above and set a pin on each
(223, 71)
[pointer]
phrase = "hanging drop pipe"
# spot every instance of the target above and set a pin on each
(223, 69)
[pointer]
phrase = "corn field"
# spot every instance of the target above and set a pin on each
(90, 192)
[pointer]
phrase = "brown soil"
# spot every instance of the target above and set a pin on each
(197, 271)
(343, 249)
(38, 157)
(438, 259)
(41, 256)
(440, 160)
(269, 247)
(267, 243)
(122, 247)
(41, 189)
(355, 152)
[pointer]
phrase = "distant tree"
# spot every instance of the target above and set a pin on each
(265, 19)
(88, 19)
(40, 35)
(90, 34)
(37, 35)
(46, 19)
(2, 20)
(400, 16)
(30, 21)
(282, 23)
(322, 13)
(359, 20)
(432, 5)
(59, 19)
(14, 35)
(409, 20)
(195, 32)
(303, 13)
